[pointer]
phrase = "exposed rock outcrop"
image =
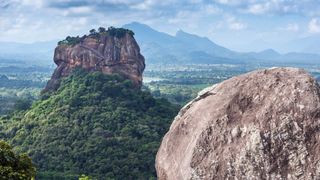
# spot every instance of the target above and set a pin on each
(106, 53)
(261, 125)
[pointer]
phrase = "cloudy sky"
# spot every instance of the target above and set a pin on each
(237, 24)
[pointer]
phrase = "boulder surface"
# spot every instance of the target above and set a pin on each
(260, 125)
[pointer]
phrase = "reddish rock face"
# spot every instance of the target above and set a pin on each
(107, 54)
(261, 125)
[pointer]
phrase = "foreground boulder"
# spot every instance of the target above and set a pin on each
(261, 125)
(111, 52)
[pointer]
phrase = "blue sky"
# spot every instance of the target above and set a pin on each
(241, 25)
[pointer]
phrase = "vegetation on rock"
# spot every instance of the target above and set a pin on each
(112, 31)
(94, 124)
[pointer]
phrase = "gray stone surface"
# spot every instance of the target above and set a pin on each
(260, 125)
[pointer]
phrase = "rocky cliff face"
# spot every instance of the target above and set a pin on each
(107, 53)
(261, 125)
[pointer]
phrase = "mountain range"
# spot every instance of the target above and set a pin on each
(183, 47)
(163, 48)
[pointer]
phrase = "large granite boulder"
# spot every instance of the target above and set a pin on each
(260, 125)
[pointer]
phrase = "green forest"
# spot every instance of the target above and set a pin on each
(94, 124)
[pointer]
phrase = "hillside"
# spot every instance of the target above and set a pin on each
(94, 124)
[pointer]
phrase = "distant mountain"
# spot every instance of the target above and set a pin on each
(204, 44)
(159, 47)
(266, 54)
(146, 34)
(300, 58)
(308, 44)
(272, 56)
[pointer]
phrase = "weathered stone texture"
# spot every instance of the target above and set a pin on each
(260, 125)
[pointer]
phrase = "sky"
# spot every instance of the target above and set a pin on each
(241, 25)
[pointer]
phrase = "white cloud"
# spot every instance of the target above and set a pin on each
(4, 3)
(83, 21)
(4, 24)
(231, 2)
(211, 9)
(259, 8)
(235, 24)
(291, 27)
(145, 5)
(314, 25)
(77, 16)
(191, 17)
(181, 17)
(77, 10)
(33, 3)
(195, 1)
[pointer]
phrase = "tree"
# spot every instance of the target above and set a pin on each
(112, 31)
(68, 38)
(13, 166)
(93, 32)
(102, 30)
